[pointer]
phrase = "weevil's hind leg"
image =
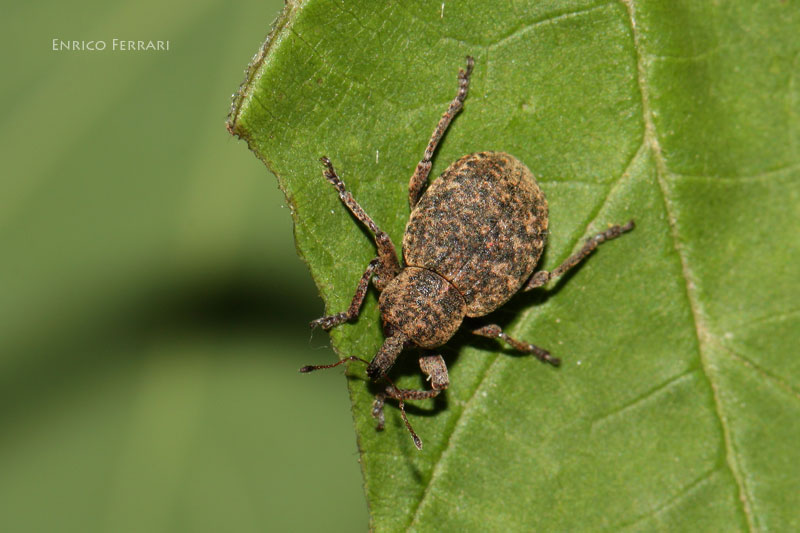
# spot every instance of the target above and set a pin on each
(388, 266)
(327, 322)
(432, 366)
(540, 278)
(493, 331)
(420, 177)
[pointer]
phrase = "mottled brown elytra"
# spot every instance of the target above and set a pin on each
(472, 241)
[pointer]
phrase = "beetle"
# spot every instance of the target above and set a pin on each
(472, 241)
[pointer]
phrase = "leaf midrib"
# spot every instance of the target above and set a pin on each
(701, 330)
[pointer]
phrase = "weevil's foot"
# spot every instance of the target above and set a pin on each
(463, 75)
(543, 355)
(555, 361)
(330, 174)
(613, 232)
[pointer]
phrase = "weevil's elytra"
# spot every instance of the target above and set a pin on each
(481, 226)
(472, 241)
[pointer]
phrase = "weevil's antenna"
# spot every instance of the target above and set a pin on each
(377, 407)
(310, 368)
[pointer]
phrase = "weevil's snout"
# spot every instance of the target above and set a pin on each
(386, 356)
(374, 371)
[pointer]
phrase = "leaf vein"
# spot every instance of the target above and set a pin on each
(548, 19)
(767, 174)
(681, 495)
(527, 317)
(432, 29)
(658, 389)
(701, 329)
(593, 217)
(687, 59)
(767, 319)
(354, 82)
(746, 361)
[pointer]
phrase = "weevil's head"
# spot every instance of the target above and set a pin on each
(422, 306)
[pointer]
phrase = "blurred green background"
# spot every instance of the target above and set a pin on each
(153, 313)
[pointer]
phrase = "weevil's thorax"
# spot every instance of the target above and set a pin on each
(423, 306)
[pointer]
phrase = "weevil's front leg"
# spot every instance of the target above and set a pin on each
(388, 266)
(420, 177)
(327, 322)
(434, 367)
(540, 278)
(493, 331)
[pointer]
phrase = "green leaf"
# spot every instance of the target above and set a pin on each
(676, 405)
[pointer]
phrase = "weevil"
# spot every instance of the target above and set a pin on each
(472, 241)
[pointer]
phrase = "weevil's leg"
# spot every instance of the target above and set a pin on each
(493, 331)
(434, 367)
(388, 266)
(540, 278)
(379, 366)
(377, 413)
(327, 322)
(420, 177)
(401, 395)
